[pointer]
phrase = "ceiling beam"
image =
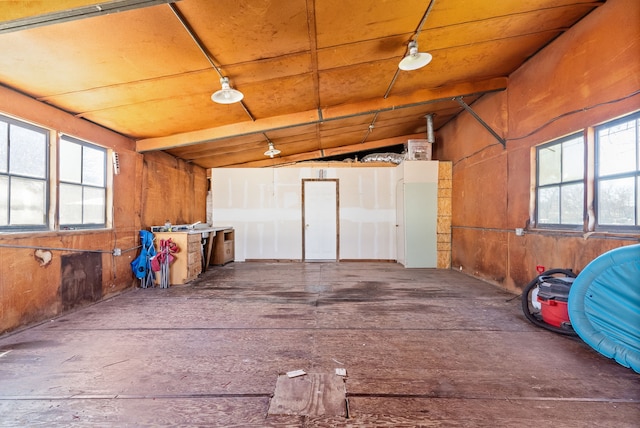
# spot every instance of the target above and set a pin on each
(420, 97)
(226, 131)
(23, 15)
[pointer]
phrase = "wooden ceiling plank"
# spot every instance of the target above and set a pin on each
(313, 45)
(237, 32)
(219, 147)
(422, 96)
(279, 161)
(366, 51)
(292, 133)
(317, 154)
(371, 145)
(343, 22)
(236, 129)
(312, 116)
(454, 12)
(502, 27)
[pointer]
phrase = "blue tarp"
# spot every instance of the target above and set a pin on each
(604, 305)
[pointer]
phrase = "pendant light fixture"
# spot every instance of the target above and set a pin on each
(272, 151)
(414, 60)
(226, 95)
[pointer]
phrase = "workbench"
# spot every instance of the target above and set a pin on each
(196, 248)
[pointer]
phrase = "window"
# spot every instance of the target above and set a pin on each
(611, 183)
(31, 199)
(560, 183)
(24, 175)
(618, 172)
(82, 184)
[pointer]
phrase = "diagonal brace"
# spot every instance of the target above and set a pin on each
(482, 122)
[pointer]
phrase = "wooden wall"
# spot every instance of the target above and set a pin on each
(173, 190)
(149, 189)
(581, 79)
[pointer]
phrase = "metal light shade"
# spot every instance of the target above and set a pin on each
(226, 95)
(415, 59)
(272, 151)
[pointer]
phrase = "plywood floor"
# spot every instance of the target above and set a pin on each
(421, 347)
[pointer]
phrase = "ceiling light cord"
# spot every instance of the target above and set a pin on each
(413, 39)
(370, 128)
(208, 56)
(195, 38)
(424, 19)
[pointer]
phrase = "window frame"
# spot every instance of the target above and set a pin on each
(46, 179)
(591, 183)
(48, 172)
(559, 184)
(598, 178)
(105, 187)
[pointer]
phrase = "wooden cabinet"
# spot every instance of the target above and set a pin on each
(223, 247)
(187, 264)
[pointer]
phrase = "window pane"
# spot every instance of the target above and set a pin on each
(94, 206)
(70, 204)
(28, 152)
(3, 146)
(549, 165)
(28, 202)
(617, 149)
(70, 162)
(548, 205)
(616, 204)
(93, 166)
(4, 201)
(573, 160)
(572, 203)
(83, 185)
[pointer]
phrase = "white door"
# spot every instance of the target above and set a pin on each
(320, 220)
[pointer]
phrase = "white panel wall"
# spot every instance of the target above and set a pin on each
(264, 206)
(367, 213)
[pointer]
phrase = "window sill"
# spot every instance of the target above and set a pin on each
(23, 234)
(599, 234)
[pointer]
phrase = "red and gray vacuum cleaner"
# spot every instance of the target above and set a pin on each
(544, 300)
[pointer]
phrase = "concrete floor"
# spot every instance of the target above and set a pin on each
(421, 347)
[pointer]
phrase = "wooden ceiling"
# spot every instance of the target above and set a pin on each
(319, 77)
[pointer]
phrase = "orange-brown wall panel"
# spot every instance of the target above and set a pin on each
(518, 187)
(583, 78)
(149, 189)
(565, 87)
(173, 190)
(482, 253)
